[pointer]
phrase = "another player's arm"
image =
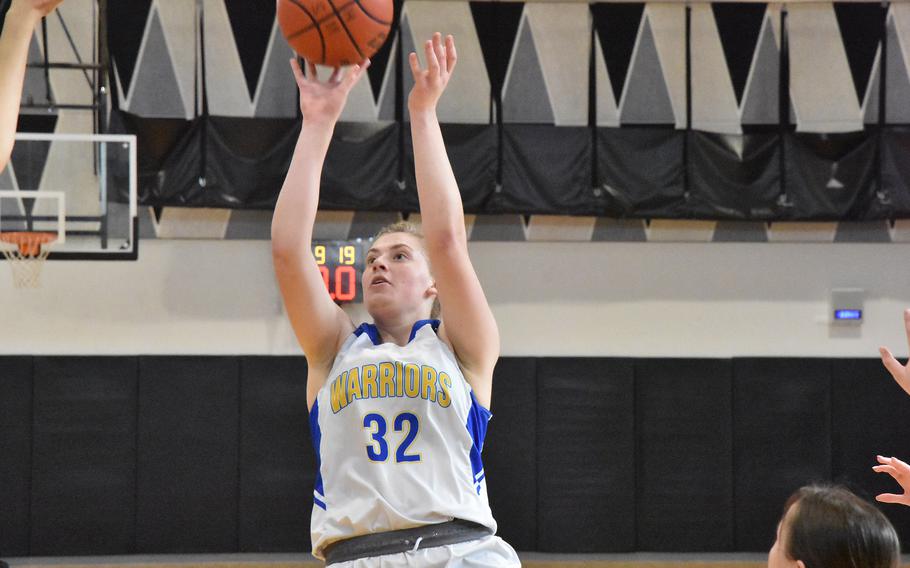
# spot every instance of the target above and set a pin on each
(319, 324)
(468, 322)
(901, 373)
(18, 27)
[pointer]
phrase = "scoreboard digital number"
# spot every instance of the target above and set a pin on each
(341, 264)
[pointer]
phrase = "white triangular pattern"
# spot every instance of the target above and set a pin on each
(467, 97)
(714, 106)
(225, 83)
(562, 35)
(276, 92)
(869, 108)
(607, 113)
(823, 93)
(758, 106)
(668, 25)
(524, 91)
(645, 97)
(385, 108)
(126, 98)
(156, 90)
(178, 23)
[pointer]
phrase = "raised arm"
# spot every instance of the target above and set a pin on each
(320, 325)
(18, 27)
(468, 322)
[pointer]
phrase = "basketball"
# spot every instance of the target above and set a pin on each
(335, 32)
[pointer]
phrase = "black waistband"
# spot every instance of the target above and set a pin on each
(392, 542)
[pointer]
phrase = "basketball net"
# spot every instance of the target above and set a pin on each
(28, 255)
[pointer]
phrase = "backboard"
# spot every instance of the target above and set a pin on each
(81, 186)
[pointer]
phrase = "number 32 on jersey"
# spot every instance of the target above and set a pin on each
(405, 423)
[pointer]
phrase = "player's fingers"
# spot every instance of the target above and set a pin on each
(451, 55)
(907, 325)
(356, 73)
(900, 465)
(889, 469)
(311, 71)
(298, 73)
(415, 65)
(361, 68)
(432, 62)
(893, 365)
(440, 50)
(883, 459)
(336, 73)
(889, 498)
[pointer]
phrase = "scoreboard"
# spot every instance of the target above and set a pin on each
(341, 264)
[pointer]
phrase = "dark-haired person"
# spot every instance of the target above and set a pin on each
(18, 27)
(894, 467)
(830, 527)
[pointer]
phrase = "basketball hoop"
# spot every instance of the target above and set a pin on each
(27, 256)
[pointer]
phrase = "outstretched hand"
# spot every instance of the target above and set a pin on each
(323, 101)
(429, 83)
(901, 373)
(900, 471)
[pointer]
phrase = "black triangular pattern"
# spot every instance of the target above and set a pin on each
(497, 28)
(739, 26)
(861, 31)
(4, 8)
(28, 160)
(380, 60)
(44, 123)
(617, 27)
(125, 38)
(252, 24)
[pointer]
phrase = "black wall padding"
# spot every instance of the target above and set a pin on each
(15, 454)
(640, 171)
(830, 176)
(211, 454)
(546, 169)
(277, 461)
(683, 423)
(510, 451)
(361, 169)
(869, 416)
(84, 443)
(734, 183)
(472, 150)
(586, 458)
(188, 454)
(781, 439)
(894, 201)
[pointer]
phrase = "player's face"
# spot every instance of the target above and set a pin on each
(777, 558)
(397, 277)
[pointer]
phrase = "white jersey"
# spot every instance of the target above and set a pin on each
(398, 434)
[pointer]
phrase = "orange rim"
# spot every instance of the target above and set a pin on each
(29, 243)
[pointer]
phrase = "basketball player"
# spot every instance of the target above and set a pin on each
(399, 407)
(830, 527)
(894, 467)
(18, 27)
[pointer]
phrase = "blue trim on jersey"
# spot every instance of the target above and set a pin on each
(419, 324)
(316, 435)
(371, 330)
(478, 418)
(319, 503)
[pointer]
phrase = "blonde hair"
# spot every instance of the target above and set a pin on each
(411, 229)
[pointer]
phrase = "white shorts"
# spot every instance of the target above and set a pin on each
(485, 552)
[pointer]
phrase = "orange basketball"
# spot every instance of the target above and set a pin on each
(335, 32)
